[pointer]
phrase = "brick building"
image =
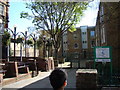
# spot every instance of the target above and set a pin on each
(4, 13)
(78, 45)
(107, 29)
(3, 21)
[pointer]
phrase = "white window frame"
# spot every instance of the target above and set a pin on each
(1, 9)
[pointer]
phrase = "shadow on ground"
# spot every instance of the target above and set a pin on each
(45, 84)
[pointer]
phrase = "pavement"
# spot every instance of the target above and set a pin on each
(64, 65)
(42, 80)
(27, 82)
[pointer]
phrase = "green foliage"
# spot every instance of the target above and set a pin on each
(19, 39)
(29, 42)
(55, 16)
(24, 15)
(39, 43)
(72, 29)
(12, 40)
(6, 38)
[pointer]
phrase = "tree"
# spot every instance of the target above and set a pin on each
(6, 38)
(55, 18)
(39, 44)
(29, 42)
(5, 42)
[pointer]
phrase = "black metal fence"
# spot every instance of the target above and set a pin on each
(105, 76)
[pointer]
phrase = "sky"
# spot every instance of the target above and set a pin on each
(16, 8)
(90, 15)
(14, 16)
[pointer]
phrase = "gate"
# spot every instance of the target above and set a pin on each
(78, 59)
(74, 59)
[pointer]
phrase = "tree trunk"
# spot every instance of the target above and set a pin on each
(56, 62)
(4, 52)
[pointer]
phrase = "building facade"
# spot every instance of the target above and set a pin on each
(4, 5)
(3, 22)
(107, 29)
(78, 45)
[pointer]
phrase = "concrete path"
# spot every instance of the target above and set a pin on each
(27, 82)
(42, 81)
(71, 81)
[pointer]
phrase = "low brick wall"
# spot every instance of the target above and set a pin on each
(45, 64)
(12, 70)
(86, 79)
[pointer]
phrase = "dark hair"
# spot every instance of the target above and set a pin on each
(57, 78)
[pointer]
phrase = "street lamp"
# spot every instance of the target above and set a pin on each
(14, 35)
(49, 45)
(44, 48)
(25, 36)
(34, 39)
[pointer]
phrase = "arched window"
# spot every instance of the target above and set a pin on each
(76, 45)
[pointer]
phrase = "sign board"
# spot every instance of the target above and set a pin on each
(103, 54)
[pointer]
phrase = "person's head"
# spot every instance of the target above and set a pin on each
(58, 79)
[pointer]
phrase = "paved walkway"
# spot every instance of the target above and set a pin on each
(42, 81)
(27, 82)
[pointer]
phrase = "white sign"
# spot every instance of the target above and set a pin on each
(103, 60)
(102, 53)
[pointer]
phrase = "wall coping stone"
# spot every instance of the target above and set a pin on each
(87, 71)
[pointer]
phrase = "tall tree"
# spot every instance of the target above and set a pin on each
(55, 18)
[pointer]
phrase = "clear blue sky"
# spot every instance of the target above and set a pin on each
(14, 16)
(22, 24)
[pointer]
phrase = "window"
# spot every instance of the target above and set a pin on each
(1, 28)
(92, 33)
(85, 54)
(103, 35)
(83, 33)
(84, 41)
(75, 35)
(76, 45)
(76, 54)
(65, 42)
(92, 44)
(102, 10)
(1, 9)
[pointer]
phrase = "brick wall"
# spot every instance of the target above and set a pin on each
(86, 79)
